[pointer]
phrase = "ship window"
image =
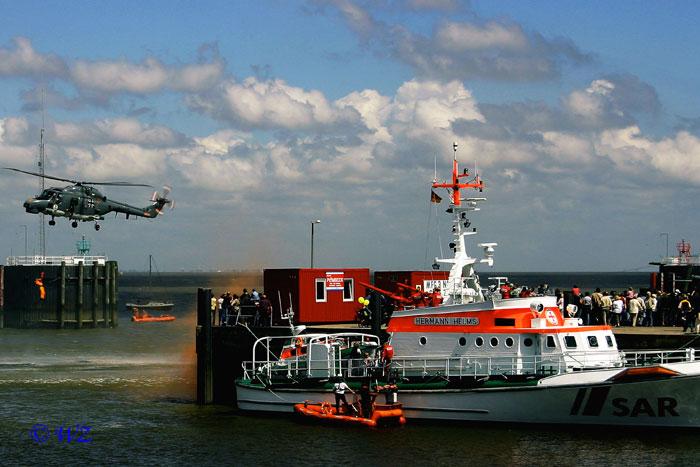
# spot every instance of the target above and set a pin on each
(509, 342)
(462, 341)
(494, 342)
(479, 341)
(504, 321)
(551, 343)
(320, 290)
(593, 341)
(609, 340)
(527, 342)
(570, 342)
(348, 290)
(423, 340)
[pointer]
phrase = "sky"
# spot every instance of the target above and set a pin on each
(583, 119)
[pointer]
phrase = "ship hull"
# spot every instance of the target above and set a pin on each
(669, 402)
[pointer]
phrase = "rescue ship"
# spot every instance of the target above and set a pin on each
(480, 357)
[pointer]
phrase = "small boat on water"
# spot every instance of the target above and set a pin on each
(150, 305)
(142, 316)
(482, 356)
(382, 414)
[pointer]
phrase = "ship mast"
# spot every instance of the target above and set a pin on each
(42, 183)
(463, 283)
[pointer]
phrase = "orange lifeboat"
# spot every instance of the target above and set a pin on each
(382, 414)
(144, 317)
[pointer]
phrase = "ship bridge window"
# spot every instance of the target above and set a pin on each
(570, 342)
(462, 341)
(551, 343)
(609, 340)
(423, 340)
(527, 342)
(479, 341)
(494, 342)
(509, 342)
(593, 341)
(504, 321)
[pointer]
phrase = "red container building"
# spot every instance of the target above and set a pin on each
(315, 295)
(421, 280)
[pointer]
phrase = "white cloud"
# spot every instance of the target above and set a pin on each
(14, 130)
(221, 142)
(110, 161)
(23, 60)
(120, 76)
(462, 50)
(466, 36)
(119, 130)
(143, 78)
(676, 156)
(271, 104)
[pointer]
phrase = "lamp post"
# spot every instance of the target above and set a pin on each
(25, 241)
(317, 221)
(665, 234)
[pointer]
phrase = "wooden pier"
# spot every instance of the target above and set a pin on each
(74, 295)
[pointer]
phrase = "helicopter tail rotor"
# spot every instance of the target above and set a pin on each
(162, 200)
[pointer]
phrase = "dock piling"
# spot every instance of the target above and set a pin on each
(205, 386)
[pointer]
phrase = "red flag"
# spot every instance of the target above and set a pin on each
(434, 198)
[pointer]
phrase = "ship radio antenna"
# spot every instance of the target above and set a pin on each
(454, 149)
(435, 169)
(41, 164)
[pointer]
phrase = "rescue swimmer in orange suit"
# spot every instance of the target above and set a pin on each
(39, 282)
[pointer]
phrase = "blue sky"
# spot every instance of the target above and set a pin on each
(583, 117)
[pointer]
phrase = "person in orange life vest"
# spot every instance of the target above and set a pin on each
(505, 290)
(39, 282)
(387, 355)
(435, 297)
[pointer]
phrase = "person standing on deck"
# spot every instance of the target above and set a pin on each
(597, 304)
(688, 315)
(266, 310)
(606, 307)
(214, 304)
(617, 305)
(650, 306)
(235, 308)
(587, 308)
(339, 389)
(634, 309)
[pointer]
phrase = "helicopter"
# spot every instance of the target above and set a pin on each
(83, 202)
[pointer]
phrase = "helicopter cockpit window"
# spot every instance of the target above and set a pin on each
(46, 194)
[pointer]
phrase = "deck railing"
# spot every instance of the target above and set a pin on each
(39, 260)
(301, 367)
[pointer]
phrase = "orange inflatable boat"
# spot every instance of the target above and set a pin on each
(140, 316)
(382, 414)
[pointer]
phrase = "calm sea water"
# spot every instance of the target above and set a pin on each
(134, 387)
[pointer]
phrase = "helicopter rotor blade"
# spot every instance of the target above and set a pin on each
(77, 181)
(117, 184)
(40, 175)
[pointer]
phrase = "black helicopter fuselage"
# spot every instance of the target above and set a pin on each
(84, 203)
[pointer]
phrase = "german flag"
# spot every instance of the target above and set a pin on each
(434, 198)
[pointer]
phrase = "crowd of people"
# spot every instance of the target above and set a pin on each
(627, 308)
(252, 308)
(634, 308)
